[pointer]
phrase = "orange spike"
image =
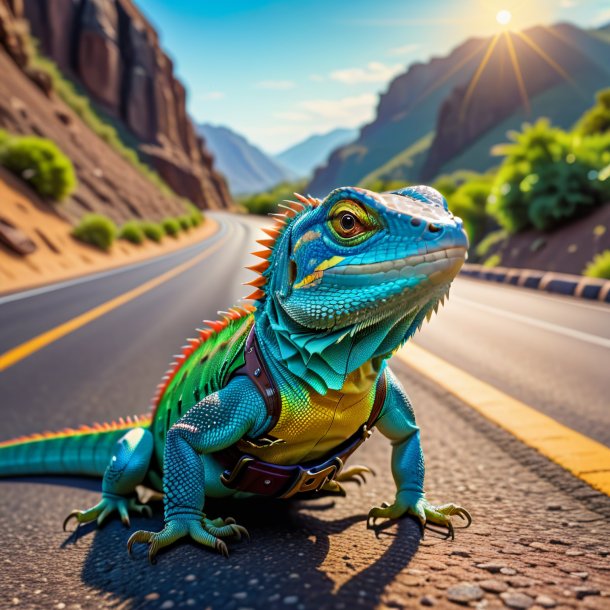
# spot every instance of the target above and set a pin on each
(295, 205)
(256, 295)
(260, 267)
(290, 212)
(214, 324)
(273, 233)
(267, 243)
(257, 282)
(265, 254)
(301, 198)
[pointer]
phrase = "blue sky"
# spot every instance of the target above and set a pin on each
(278, 71)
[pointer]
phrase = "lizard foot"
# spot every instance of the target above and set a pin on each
(107, 505)
(205, 531)
(422, 510)
(354, 474)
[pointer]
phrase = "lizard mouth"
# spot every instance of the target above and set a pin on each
(435, 265)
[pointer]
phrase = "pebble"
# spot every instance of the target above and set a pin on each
(60, 606)
(240, 595)
(493, 586)
(582, 592)
(574, 553)
(508, 571)
(494, 568)
(460, 553)
(427, 600)
(151, 597)
(546, 601)
(289, 600)
(554, 507)
(464, 593)
(520, 582)
(190, 577)
(519, 601)
(583, 575)
(538, 545)
(167, 604)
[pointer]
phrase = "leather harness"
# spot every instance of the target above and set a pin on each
(247, 473)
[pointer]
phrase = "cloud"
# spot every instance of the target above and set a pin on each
(350, 111)
(603, 17)
(292, 116)
(408, 48)
(276, 84)
(374, 72)
(211, 96)
(568, 3)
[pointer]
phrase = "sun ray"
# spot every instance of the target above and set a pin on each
(518, 73)
(549, 60)
(477, 75)
(445, 77)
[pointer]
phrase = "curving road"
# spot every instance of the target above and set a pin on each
(550, 352)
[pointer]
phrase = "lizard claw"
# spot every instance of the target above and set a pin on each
(105, 507)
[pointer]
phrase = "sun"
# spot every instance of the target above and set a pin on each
(503, 17)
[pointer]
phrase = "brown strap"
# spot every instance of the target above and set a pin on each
(255, 369)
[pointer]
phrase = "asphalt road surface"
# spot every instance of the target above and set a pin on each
(540, 538)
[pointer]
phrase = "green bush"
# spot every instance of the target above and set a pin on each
(597, 119)
(185, 223)
(549, 176)
(599, 266)
(153, 231)
(96, 230)
(39, 162)
(493, 261)
(469, 202)
(171, 227)
(267, 202)
(132, 231)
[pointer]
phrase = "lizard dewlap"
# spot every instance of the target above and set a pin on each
(274, 398)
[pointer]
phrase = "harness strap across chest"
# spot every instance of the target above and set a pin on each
(249, 474)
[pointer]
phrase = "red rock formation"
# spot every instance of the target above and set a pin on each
(109, 47)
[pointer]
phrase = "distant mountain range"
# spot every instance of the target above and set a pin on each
(447, 113)
(247, 168)
(304, 157)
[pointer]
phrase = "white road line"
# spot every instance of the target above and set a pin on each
(25, 294)
(555, 328)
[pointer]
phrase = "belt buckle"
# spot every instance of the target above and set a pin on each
(314, 480)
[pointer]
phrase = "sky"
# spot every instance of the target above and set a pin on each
(279, 71)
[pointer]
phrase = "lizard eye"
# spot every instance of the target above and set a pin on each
(348, 221)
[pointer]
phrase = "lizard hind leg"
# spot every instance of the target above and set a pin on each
(127, 468)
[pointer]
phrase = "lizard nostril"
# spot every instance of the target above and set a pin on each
(415, 222)
(434, 228)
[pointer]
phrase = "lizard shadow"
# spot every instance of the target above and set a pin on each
(296, 558)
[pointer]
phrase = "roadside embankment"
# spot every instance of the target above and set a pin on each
(57, 255)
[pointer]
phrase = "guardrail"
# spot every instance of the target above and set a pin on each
(549, 281)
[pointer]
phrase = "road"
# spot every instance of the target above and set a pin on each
(537, 531)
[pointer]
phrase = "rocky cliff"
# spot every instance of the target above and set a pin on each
(439, 116)
(114, 52)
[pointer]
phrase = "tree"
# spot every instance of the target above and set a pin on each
(597, 119)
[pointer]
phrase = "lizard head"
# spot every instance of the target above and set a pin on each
(362, 265)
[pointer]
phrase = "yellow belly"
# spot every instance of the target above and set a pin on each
(313, 425)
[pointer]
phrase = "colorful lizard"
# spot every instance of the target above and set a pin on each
(272, 399)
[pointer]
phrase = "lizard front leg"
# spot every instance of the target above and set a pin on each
(397, 422)
(217, 422)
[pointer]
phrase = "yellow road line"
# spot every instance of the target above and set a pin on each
(582, 456)
(26, 349)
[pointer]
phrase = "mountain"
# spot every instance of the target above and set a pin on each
(447, 113)
(110, 50)
(247, 168)
(304, 157)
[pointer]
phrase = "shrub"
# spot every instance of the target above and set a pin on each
(599, 266)
(548, 176)
(469, 202)
(132, 231)
(39, 162)
(267, 202)
(597, 119)
(153, 231)
(171, 227)
(194, 214)
(96, 230)
(185, 223)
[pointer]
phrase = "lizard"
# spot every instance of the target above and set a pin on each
(275, 396)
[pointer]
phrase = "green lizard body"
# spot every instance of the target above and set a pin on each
(344, 282)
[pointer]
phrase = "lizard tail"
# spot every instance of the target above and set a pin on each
(81, 451)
